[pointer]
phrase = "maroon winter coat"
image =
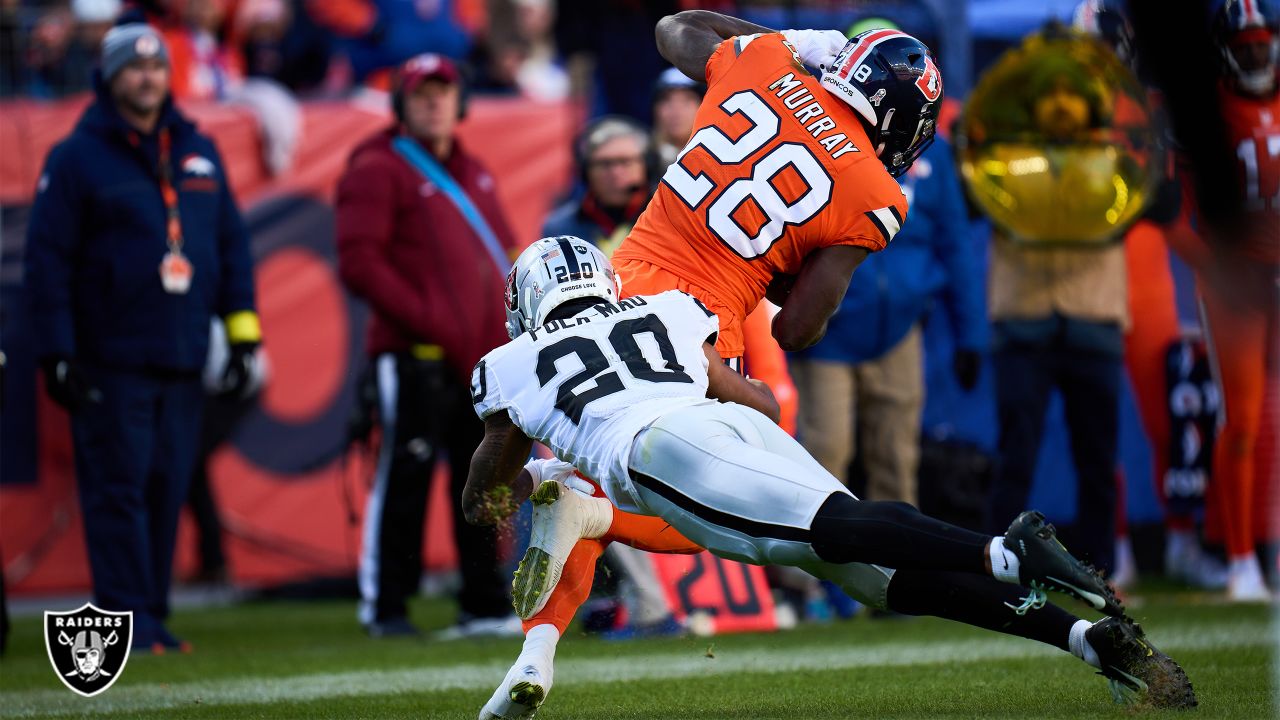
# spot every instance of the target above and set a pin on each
(404, 247)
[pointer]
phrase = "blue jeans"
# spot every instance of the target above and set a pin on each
(1087, 375)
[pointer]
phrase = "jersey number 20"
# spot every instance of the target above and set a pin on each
(594, 364)
(694, 190)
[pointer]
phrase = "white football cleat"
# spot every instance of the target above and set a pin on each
(561, 517)
(1246, 584)
(521, 693)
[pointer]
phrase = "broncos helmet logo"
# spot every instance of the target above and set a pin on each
(930, 83)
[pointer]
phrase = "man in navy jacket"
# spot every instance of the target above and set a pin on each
(134, 244)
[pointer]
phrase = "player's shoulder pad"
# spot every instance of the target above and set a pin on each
(754, 48)
(685, 298)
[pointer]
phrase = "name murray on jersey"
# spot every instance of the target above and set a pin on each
(809, 112)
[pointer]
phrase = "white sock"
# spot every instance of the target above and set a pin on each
(1004, 563)
(1080, 646)
(540, 649)
(1178, 543)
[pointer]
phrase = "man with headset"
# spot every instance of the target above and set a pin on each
(422, 238)
(616, 161)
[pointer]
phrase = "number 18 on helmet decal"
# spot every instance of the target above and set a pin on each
(892, 81)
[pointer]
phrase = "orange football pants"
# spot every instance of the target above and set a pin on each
(645, 532)
(1153, 307)
(1238, 299)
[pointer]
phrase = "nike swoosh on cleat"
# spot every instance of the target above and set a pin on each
(1094, 599)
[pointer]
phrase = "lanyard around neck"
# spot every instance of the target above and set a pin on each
(173, 221)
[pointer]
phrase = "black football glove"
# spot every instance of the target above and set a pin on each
(967, 365)
(67, 383)
(239, 379)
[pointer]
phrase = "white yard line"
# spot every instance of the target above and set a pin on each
(637, 665)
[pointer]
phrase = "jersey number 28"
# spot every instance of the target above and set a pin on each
(594, 364)
(694, 190)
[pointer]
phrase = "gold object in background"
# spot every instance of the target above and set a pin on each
(1057, 143)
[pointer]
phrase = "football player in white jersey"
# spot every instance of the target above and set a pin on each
(632, 394)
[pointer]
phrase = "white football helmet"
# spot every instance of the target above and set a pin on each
(552, 271)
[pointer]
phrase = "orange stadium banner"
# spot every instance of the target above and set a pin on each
(290, 496)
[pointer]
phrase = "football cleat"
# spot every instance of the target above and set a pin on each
(1045, 564)
(1137, 672)
(521, 693)
(561, 517)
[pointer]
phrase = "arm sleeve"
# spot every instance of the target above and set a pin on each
(53, 244)
(872, 229)
(237, 291)
(366, 210)
(486, 393)
(955, 250)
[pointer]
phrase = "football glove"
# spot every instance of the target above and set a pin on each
(67, 383)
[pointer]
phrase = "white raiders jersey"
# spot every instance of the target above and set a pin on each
(586, 385)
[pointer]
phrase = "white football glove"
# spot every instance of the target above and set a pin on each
(557, 469)
(816, 48)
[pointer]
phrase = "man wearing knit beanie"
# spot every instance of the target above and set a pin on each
(133, 246)
(135, 66)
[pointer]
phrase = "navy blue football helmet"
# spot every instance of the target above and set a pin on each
(892, 81)
(1248, 22)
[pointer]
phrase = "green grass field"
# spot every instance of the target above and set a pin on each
(309, 660)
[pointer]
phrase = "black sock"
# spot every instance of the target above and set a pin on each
(978, 601)
(896, 535)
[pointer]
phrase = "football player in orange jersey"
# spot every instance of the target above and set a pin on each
(1238, 284)
(779, 169)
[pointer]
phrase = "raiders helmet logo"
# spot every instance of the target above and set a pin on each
(930, 83)
(88, 647)
(512, 297)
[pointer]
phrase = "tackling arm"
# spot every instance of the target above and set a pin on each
(497, 482)
(687, 39)
(816, 295)
(726, 385)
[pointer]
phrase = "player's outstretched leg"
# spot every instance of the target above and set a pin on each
(1115, 646)
(561, 517)
(889, 534)
(527, 683)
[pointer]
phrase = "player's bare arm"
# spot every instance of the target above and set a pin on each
(726, 385)
(497, 483)
(688, 38)
(815, 295)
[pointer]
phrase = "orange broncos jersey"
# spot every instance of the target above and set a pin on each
(1254, 128)
(777, 167)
